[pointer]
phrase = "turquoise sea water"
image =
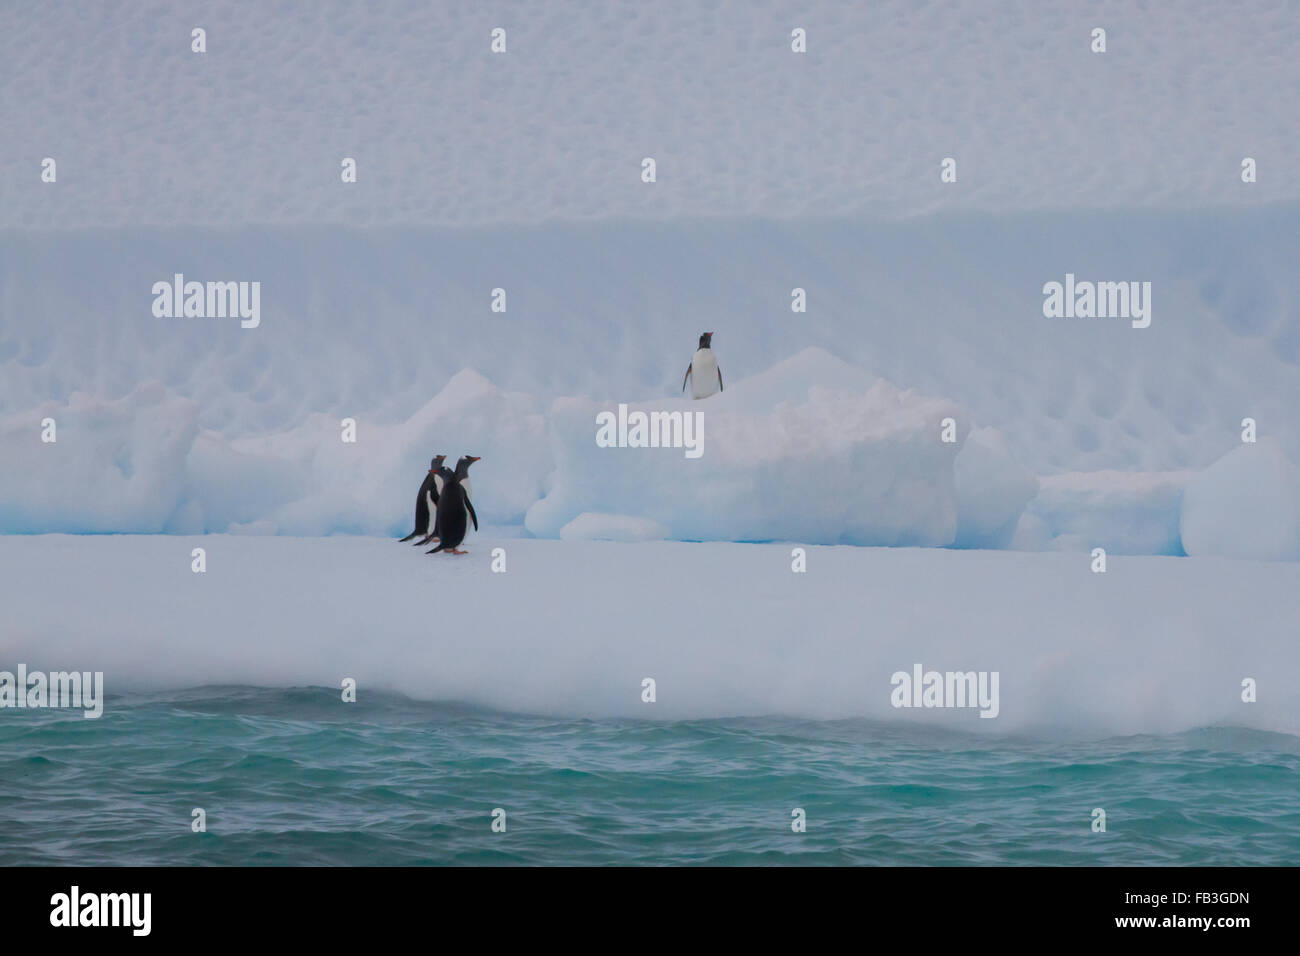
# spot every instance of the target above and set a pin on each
(295, 777)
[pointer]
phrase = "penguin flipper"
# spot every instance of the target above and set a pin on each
(719, 378)
(687, 377)
(437, 549)
(470, 505)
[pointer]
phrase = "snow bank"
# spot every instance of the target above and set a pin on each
(369, 487)
(590, 526)
(141, 464)
(992, 490)
(1156, 645)
(1245, 505)
(1123, 512)
(112, 466)
(371, 323)
(811, 450)
(781, 458)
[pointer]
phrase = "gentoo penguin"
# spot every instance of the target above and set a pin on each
(703, 370)
(427, 498)
(453, 507)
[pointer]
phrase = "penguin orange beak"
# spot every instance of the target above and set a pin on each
(472, 458)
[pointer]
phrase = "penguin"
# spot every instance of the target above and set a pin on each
(453, 506)
(703, 370)
(427, 498)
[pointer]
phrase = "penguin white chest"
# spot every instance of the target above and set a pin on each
(704, 374)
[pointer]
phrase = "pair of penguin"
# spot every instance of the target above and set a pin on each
(444, 495)
(703, 373)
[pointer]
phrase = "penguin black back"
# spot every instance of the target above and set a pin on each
(428, 490)
(455, 510)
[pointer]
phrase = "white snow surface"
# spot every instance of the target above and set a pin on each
(594, 526)
(781, 458)
(445, 132)
(1123, 512)
(1155, 645)
(811, 450)
(141, 464)
(373, 323)
(776, 171)
(1246, 505)
(992, 490)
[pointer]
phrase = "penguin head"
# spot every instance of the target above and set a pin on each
(706, 339)
(436, 463)
(462, 466)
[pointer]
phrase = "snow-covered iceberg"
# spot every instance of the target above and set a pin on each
(141, 464)
(1245, 505)
(1123, 512)
(91, 465)
(810, 450)
(992, 490)
(1156, 645)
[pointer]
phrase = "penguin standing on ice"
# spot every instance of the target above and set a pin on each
(427, 498)
(703, 372)
(454, 509)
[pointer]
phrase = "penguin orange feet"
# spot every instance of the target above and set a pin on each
(455, 551)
